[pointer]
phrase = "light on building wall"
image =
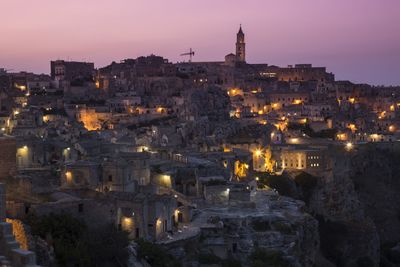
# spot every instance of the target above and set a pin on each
(257, 179)
(258, 152)
(68, 176)
(349, 145)
(3, 129)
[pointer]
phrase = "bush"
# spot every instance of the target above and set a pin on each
(307, 183)
(282, 227)
(262, 257)
(231, 263)
(283, 184)
(260, 226)
(76, 245)
(328, 133)
(209, 258)
(155, 255)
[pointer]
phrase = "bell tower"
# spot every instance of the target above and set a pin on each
(240, 46)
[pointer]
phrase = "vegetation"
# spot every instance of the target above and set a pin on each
(77, 245)
(210, 258)
(331, 236)
(307, 183)
(215, 182)
(155, 255)
(282, 183)
(305, 128)
(156, 121)
(260, 226)
(282, 227)
(261, 257)
(269, 162)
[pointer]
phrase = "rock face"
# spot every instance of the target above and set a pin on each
(357, 203)
(211, 102)
(376, 176)
(274, 224)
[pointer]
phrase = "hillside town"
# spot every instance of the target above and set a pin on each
(190, 157)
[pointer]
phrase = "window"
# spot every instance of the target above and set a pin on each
(110, 178)
(80, 207)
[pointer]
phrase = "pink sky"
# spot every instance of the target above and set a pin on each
(356, 39)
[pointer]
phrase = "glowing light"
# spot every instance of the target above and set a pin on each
(392, 108)
(349, 145)
(68, 176)
(258, 152)
(352, 100)
(297, 102)
(160, 110)
(352, 127)
(303, 121)
(341, 136)
(257, 179)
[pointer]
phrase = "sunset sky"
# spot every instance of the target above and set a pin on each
(357, 40)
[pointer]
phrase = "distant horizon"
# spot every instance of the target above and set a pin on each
(194, 61)
(356, 40)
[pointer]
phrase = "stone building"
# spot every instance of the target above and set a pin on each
(71, 70)
(7, 156)
(296, 157)
(10, 252)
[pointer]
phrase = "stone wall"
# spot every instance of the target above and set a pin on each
(10, 252)
(7, 156)
(19, 233)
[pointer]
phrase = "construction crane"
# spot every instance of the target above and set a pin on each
(190, 54)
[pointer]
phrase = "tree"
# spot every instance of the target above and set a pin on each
(269, 162)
